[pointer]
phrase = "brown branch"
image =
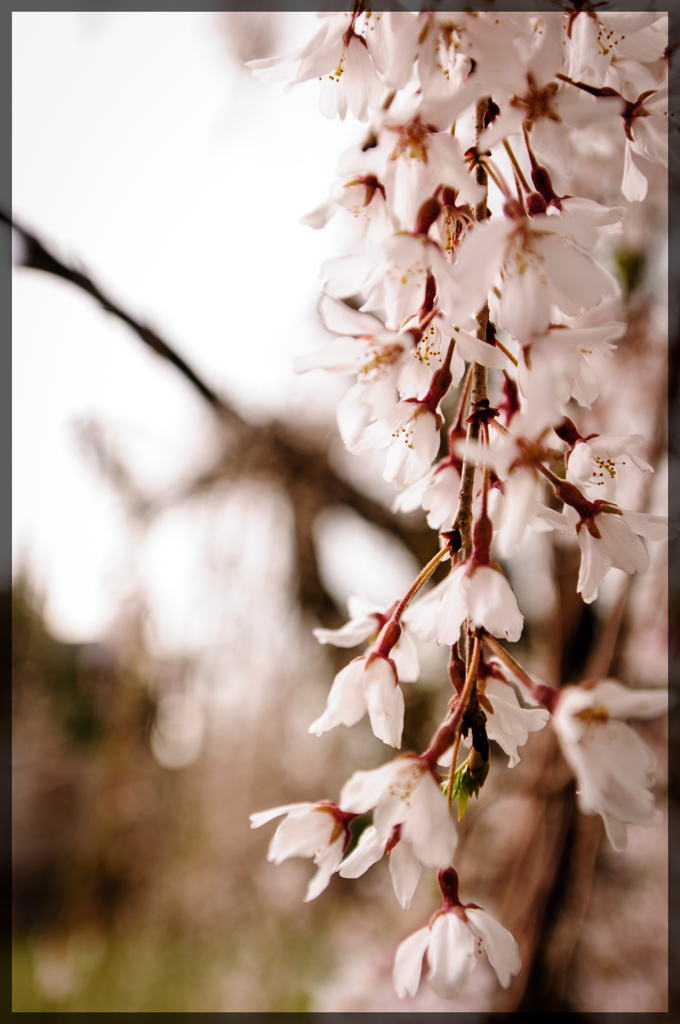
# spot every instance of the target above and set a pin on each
(37, 257)
(269, 451)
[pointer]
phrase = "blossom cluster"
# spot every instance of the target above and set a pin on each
(475, 271)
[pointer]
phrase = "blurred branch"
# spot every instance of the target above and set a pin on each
(37, 257)
(560, 904)
(268, 451)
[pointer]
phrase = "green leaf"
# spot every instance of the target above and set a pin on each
(465, 784)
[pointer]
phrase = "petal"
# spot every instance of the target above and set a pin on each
(405, 657)
(405, 870)
(651, 527)
(426, 438)
(363, 790)
(623, 702)
(578, 281)
(492, 604)
(594, 566)
(343, 319)
(422, 615)
(301, 835)
(385, 702)
(478, 261)
(346, 355)
(352, 633)
(634, 184)
(320, 215)
(441, 613)
(524, 308)
(347, 275)
(510, 724)
(626, 550)
(346, 701)
(367, 852)
(500, 946)
(451, 954)
(474, 350)
(408, 962)
(429, 825)
(440, 497)
(262, 817)
(328, 864)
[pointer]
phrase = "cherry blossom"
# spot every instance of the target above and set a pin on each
(451, 941)
(507, 722)
(471, 589)
(569, 350)
(540, 268)
(405, 868)
(609, 537)
(319, 830)
(437, 493)
(593, 462)
(365, 623)
(340, 56)
(366, 684)
(485, 190)
(406, 792)
(600, 39)
(361, 195)
(611, 763)
(371, 351)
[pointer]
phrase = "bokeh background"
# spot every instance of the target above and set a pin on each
(172, 552)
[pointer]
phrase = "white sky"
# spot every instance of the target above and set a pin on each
(140, 148)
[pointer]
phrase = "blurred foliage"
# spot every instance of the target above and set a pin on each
(631, 265)
(59, 668)
(148, 972)
(107, 845)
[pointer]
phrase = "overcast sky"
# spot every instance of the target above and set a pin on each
(142, 149)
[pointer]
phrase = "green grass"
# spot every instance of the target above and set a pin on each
(154, 973)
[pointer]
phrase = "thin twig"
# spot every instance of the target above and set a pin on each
(38, 257)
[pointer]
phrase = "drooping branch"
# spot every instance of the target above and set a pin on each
(37, 257)
(268, 451)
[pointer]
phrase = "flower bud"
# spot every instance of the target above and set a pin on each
(482, 537)
(456, 669)
(567, 431)
(427, 215)
(535, 204)
(448, 883)
(388, 638)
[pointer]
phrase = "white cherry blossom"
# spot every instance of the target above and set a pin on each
(319, 830)
(406, 792)
(454, 937)
(613, 767)
(405, 868)
(593, 463)
(540, 268)
(437, 493)
(368, 684)
(340, 56)
(366, 621)
(479, 591)
(608, 539)
(601, 38)
(570, 352)
(428, 354)
(362, 196)
(510, 724)
(507, 722)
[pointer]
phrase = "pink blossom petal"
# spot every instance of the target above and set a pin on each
(451, 954)
(405, 870)
(499, 945)
(408, 962)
